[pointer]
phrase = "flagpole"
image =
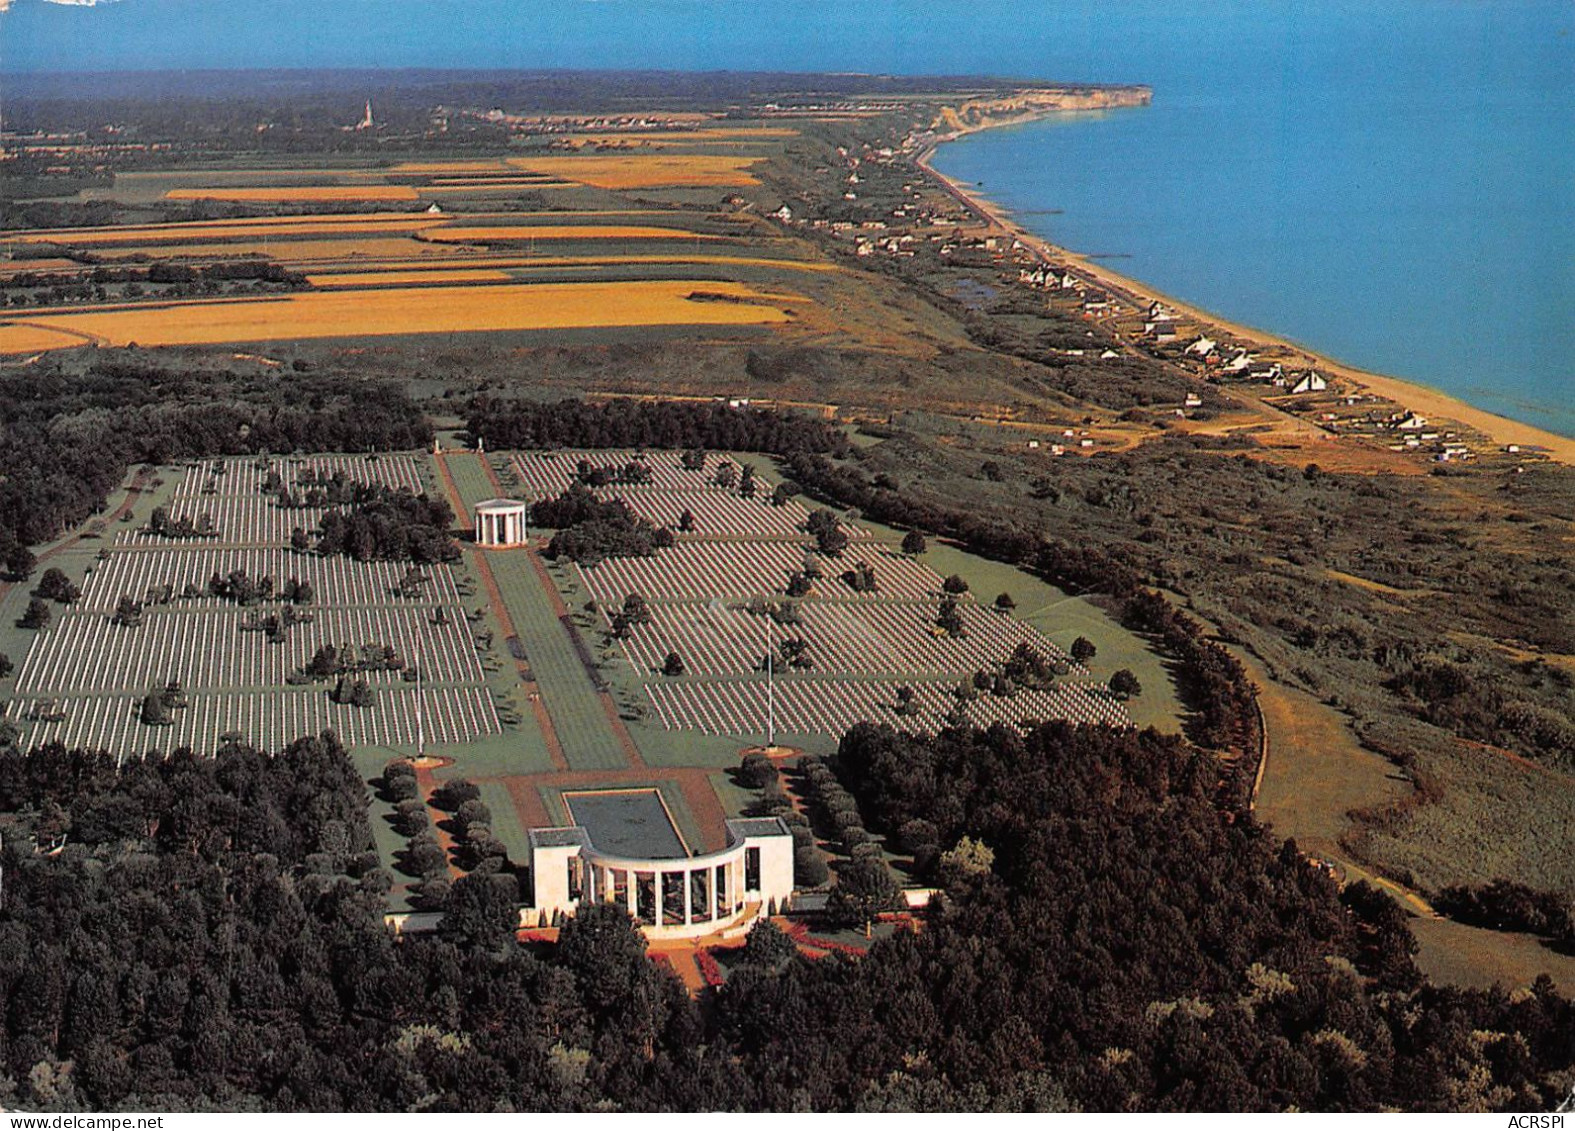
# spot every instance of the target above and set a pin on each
(421, 734)
(771, 691)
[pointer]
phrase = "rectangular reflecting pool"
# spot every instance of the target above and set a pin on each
(627, 822)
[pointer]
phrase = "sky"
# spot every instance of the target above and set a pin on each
(893, 36)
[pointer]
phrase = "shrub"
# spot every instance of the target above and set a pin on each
(766, 945)
(472, 813)
(431, 895)
(402, 788)
(54, 585)
(846, 819)
(809, 867)
(757, 770)
(839, 802)
(916, 834)
(36, 616)
(452, 794)
(1125, 684)
(424, 857)
(399, 768)
(411, 817)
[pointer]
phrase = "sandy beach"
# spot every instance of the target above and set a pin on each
(1418, 398)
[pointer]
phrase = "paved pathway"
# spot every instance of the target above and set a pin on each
(139, 481)
(525, 791)
(528, 684)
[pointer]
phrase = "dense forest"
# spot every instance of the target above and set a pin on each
(196, 933)
(649, 424)
(70, 439)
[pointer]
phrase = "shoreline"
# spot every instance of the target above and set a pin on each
(1433, 403)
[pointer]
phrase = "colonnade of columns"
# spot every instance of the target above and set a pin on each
(500, 528)
(700, 894)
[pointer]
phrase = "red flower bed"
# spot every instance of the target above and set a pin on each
(709, 970)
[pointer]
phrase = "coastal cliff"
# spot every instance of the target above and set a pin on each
(1022, 105)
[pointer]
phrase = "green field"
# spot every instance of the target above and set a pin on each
(572, 703)
(1063, 618)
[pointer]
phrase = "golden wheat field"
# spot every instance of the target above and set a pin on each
(422, 310)
(511, 177)
(16, 337)
(296, 193)
(393, 278)
(464, 234)
(21, 266)
(631, 171)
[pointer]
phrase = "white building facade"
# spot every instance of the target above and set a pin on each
(682, 897)
(500, 522)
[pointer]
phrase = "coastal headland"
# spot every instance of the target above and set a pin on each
(1408, 395)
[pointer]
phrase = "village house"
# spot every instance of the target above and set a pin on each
(1239, 362)
(1202, 347)
(1311, 382)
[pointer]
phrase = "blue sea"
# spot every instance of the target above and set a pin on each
(1400, 196)
(1391, 182)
